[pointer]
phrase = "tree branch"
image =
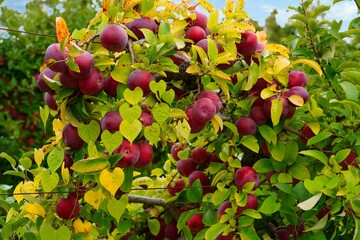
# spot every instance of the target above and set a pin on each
(89, 40)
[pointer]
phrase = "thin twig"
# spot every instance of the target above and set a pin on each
(89, 40)
(131, 52)
(32, 33)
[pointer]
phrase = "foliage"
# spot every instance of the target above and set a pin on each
(306, 186)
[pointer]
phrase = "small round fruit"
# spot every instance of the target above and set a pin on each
(86, 64)
(178, 187)
(111, 121)
(257, 114)
(248, 44)
(50, 100)
(199, 155)
(110, 86)
(113, 38)
(54, 52)
(175, 149)
(300, 91)
(142, 79)
(146, 152)
(93, 84)
(213, 97)
(200, 20)
(185, 167)
(245, 126)
(204, 110)
(67, 80)
(71, 137)
(131, 154)
(195, 175)
(140, 23)
(195, 125)
(195, 34)
(297, 78)
(244, 175)
(146, 119)
(42, 85)
(195, 223)
(67, 208)
(251, 203)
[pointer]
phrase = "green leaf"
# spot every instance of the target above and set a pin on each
(48, 232)
(350, 90)
(278, 151)
(72, 64)
(263, 166)
(269, 205)
(319, 225)
(15, 173)
(127, 184)
(55, 159)
(130, 113)
(130, 130)
(342, 154)
(158, 87)
(26, 162)
(232, 127)
(250, 142)
(320, 137)
(149, 36)
(44, 114)
(123, 69)
(133, 97)
(299, 171)
(212, 50)
(276, 110)
(89, 132)
(184, 129)
(194, 195)
(292, 151)
(11, 160)
(215, 230)
(268, 133)
(49, 181)
(184, 218)
(208, 218)
(117, 207)
(249, 233)
(164, 29)
(152, 133)
(111, 141)
(168, 96)
(90, 165)
(147, 5)
(161, 112)
(253, 76)
(310, 203)
(317, 155)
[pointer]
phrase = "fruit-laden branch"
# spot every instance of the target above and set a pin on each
(155, 201)
(89, 40)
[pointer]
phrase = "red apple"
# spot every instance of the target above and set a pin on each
(195, 175)
(93, 84)
(200, 20)
(171, 231)
(146, 119)
(175, 149)
(146, 152)
(195, 34)
(185, 167)
(86, 65)
(140, 23)
(199, 155)
(71, 137)
(248, 44)
(300, 91)
(42, 85)
(110, 86)
(50, 100)
(113, 38)
(297, 78)
(131, 154)
(67, 208)
(111, 121)
(245, 175)
(54, 52)
(204, 110)
(245, 126)
(178, 187)
(195, 125)
(257, 114)
(67, 80)
(213, 97)
(195, 223)
(140, 78)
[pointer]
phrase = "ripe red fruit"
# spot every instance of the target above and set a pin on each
(251, 203)
(257, 114)
(195, 125)
(50, 100)
(113, 38)
(68, 162)
(110, 86)
(195, 34)
(67, 208)
(248, 44)
(283, 234)
(300, 91)
(42, 85)
(67, 80)
(146, 119)
(298, 230)
(244, 175)
(245, 126)
(93, 84)
(204, 110)
(200, 20)
(297, 78)
(86, 65)
(142, 79)
(161, 233)
(111, 121)
(259, 85)
(131, 154)
(349, 160)
(175, 149)
(146, 152)
(230, 236)
(178, 187)
(140, 23)
(30, 141)
(204, 45)
(71, 137)
(171, 231)
(199, 155)
(195, 175)
(213, 97)
(221, 210)
(307, 133)
(185, 167)
(54, 52)
(195, 223)
(292, 110)
(259, 102)
(265, 149)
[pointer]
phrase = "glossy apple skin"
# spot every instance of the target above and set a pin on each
(140, 78)
(204, 110)
(86, 64)
(68, 208)
(257, 114)
(113, 38)
(251, 203)
(185, 167)
(195, 125)
(200, 20)
(67, 80)
(50, 100)
(171, 231)
(71, 137)
(93, 84)
(146, 152)
(195, 223)
(195, 34)
(131, 154)
(297, 78)
(244, 175)
(175, 149)
(248, 44)
(245, 126)
(110, 86)
(146, 119)
(42, 85)
(111, 121)
(54, 52)
(140, 23)
(178, 187)
(213, 97)
(300, 91)
(221, 210)
(199, 155)
(195, 175)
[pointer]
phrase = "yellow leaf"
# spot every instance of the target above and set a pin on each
(185, 3)
(106, 4)
(239, 5)
(229, 29)
(213, 20)
(245, 26)
(220, 74)
(94, 198)
(18, 198)
(79, 226)
(235, 15)
(62, 30)
(136, 173)
(58, 127)
(311, 63)
(65, 173)
(39, 156)
(12, 212)
(128, 4)
(296, 100)
(218, 121)
(276, 48)
(150, 14)
(262, 36)
(193, 69)
(29, 187)
(230, 5)
(206, 5)
(281, 64)
(35, 208)
(112, 181)
(178, 25)
(315, 127)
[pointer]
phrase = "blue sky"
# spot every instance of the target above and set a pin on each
(259, 10)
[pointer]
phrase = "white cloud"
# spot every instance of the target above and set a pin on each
(282, 16)
(343, 10)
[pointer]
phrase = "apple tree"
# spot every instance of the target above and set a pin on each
(170, 124)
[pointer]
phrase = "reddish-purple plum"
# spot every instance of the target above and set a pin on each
(67, 208)
(185, 167)
(178, 187)
(110, 86)
(54, 52)
(200, 20)
(146, 119)
(71, 137)
(50, 100)
(268, 103)
(140, 23)
(113, 38)
(175, 149)
(195, 223)
(171, 231)
(204, 110)
(245, 175)
(140, 78)
(245, 126)
(199, 155)
(195, 125)
(297, 78)
(307, 132)
(111, 121)
(300, 91)
(131, 154)
(146, 152)
(251, 203)
(42, 85)
(257, 114)
(86, 64)
(195, 175)
(67, 80)
(248, 44)
(195, 34)
(213, 97)
(93, 84)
